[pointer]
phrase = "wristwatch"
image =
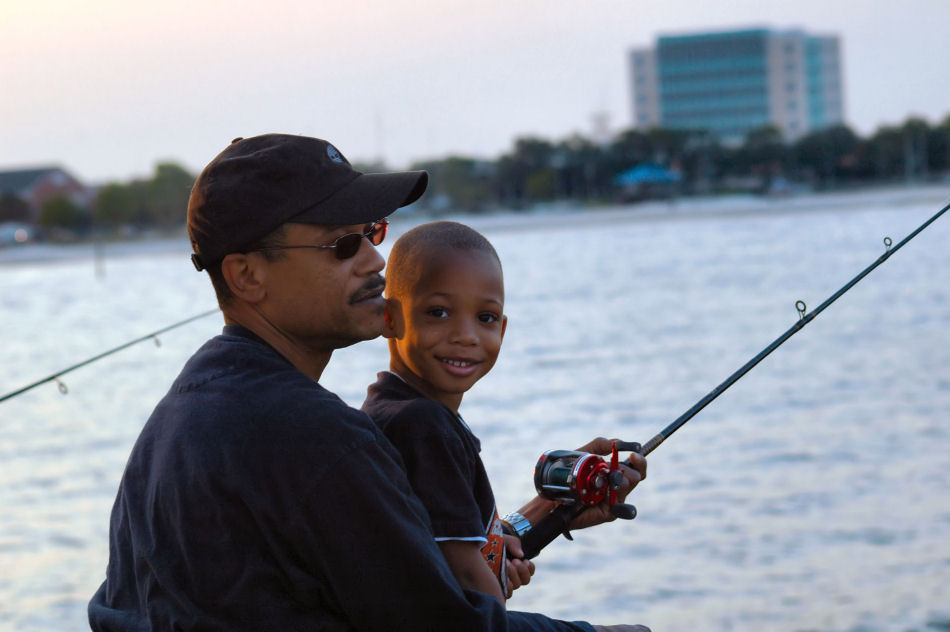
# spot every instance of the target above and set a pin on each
(518, 523)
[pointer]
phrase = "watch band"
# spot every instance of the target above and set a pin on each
(517, 522)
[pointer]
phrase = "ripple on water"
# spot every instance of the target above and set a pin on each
(813, 495)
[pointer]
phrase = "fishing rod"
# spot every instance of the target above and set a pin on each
(62, 387)
(580, 480)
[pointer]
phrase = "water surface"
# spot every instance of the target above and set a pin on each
(813, 495)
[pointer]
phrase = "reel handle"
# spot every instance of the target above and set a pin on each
(628, 446)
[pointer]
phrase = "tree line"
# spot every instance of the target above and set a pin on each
(578, 169)
(157, 202)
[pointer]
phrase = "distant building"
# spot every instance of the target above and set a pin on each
(37, 186)
(735, 81)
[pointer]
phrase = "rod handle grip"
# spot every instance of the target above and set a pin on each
(548, 528)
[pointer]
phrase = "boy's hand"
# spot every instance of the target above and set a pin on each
(520, 570)
(634, 470)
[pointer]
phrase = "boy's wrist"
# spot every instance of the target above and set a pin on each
(518, 523)
(537, 508)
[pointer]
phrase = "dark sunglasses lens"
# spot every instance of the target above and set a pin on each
(348, 245)
(377, 233)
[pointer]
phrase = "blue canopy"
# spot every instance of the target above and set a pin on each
(647, 174)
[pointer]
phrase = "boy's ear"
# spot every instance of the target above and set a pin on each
(244, 278)
(504, 325)
(394, 326)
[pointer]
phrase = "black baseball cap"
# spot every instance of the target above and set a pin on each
(257, 184)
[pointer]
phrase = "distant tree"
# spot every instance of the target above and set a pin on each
(938, 147)
(660, 146)
(161, 200)
(582, 170)
(764, 151)
(829, 153)
(62, 212)
(541, 184)
(458, 183)
(514, 169)
(534, 153)
(667, 145)
(884, 153)
(704, 159)
(13, 209)
(167, 194)
(115, 205)
(629, 148)
(915, 133)
(466, 181)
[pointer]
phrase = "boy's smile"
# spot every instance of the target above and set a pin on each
(448, 332)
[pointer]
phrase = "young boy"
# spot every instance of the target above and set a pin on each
(445, 323)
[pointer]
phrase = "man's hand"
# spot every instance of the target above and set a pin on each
(520, 570)
(634, 470)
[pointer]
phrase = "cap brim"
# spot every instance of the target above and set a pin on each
(367, 198)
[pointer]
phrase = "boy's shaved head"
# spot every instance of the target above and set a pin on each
(417, 249)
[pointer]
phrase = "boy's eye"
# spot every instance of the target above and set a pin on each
(488, 317)
(437, 312)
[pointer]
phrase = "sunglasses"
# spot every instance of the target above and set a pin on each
(346, 246)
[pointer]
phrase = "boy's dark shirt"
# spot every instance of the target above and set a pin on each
(254, 499)
(442, 459)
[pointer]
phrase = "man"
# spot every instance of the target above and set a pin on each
(254, 499)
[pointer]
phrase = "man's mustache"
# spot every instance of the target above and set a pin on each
(371, 289)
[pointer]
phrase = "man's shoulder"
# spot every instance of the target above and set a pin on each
(244, 359)
(239, 390)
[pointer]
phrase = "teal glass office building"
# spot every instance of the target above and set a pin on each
(732, 82)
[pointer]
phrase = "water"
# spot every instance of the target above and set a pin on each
(813, 495)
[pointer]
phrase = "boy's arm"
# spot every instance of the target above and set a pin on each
(465, 559)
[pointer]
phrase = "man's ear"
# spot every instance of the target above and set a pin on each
(394, 326)
(244, 276)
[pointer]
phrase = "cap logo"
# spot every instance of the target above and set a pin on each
(333, 153)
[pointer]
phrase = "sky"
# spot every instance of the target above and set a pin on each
(108, 89)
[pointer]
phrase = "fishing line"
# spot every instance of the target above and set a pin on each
(558, 521)
(803, 319)
(62, 387)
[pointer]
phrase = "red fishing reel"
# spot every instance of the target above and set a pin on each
(572, 477)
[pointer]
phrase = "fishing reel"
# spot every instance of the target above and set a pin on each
(583, 479)
(577, 480)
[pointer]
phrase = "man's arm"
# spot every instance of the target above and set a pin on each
(370, 536)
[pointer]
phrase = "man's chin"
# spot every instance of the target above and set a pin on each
(369, 331)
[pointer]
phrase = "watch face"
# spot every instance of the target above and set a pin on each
(518, 522)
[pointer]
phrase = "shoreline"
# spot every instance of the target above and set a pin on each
(554, 215)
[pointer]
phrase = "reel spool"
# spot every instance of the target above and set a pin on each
(572, 477)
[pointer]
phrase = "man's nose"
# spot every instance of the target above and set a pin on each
(370, 259)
